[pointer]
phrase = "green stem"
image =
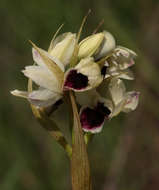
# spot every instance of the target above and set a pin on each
(88, 137)
(52, 128)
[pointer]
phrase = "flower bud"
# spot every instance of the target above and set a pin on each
(90, 45)
(107, 45)
(64, 47)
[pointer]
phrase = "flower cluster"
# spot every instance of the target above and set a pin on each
(96, 77)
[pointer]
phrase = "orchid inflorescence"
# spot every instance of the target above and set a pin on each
(94, 69)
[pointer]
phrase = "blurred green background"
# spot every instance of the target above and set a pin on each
(125, 156)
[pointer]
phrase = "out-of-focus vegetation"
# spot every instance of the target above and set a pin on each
(125, 156)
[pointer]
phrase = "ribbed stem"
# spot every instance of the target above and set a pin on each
(80, 169)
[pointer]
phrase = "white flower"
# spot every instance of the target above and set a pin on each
(117, 65)
(97, 107)
(122, 101)
(94, 111)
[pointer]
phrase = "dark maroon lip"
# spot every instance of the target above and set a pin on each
(91, 118)
(104, 70)
(75, 80)
(102, 109)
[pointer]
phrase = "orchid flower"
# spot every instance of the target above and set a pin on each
(97, 108)
(118, 64)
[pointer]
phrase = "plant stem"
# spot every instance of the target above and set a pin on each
(80, 169)
(52, 128)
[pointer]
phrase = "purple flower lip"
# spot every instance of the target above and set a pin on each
(103, 109)
(75, 81)
(91, 119)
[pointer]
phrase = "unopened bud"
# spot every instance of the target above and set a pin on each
(107, 45)
(90, 45)
(63, 50)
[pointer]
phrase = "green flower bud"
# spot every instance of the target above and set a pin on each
(90, 45)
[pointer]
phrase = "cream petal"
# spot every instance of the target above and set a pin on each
(92, 70)
(127, 74)
(124, 57)
(125, 52)
(58, 39)
(64, 49)
(107, 45)
(90, 45)
(117, 108)
(85, 76)
(126, 64)
(43, 78)
(38, 59)
(43, 97)
(131, 101)
(117, 90)
(22, 94)
(50, 64)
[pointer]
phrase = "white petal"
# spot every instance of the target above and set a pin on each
(117, 108)
(107, 45)
(131, 101)
(89, 45)
(127, 74)
(64, 49)
(50, 64)
(58, 39)
(124, 57)
(38, 59)
(43, 97)
(90, 76)
(19, 93)
(125, 52)
(43, 78)
(91, 69)
(117, 90)
(124, 64)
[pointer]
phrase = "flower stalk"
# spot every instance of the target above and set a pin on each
(80, 168)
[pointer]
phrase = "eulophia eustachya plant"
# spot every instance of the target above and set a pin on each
(96, 77)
